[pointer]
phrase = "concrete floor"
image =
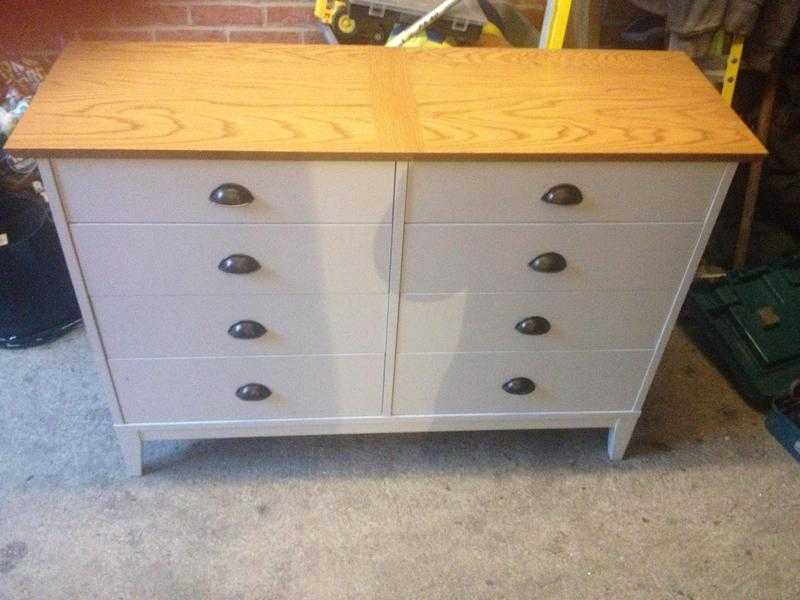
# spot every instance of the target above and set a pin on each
(707, 505)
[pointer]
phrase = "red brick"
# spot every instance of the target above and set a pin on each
(149, 14)
(290, 15)
(93, 15)
(313, 36)
(190, 35)
(171, 15)
(121, 35)
(270, 37)
(219, 14)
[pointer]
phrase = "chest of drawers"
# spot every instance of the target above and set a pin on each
(284, 240)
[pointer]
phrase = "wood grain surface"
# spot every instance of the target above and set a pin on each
(203, 100)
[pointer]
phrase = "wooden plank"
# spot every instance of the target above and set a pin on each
(753, 187)
(204, 100)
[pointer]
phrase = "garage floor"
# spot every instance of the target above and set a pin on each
(706, 505)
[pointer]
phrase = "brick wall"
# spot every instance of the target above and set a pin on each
(202, 20)
(33, 27)
(290, 21)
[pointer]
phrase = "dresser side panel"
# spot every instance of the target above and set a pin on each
(51, 185)
(727, 171)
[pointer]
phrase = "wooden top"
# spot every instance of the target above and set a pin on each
(367, 102)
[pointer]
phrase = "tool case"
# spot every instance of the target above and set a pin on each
(749, 322)
(783, 422)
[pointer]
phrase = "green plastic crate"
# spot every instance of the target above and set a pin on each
(749, 321)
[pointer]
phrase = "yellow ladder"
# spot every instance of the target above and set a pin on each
(554, 24)
(732, 68)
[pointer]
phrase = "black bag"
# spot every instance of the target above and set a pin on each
(37, 301)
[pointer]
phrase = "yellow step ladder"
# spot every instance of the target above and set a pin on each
(554, 24)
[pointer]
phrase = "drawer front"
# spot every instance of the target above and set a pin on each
(511, 192)
(494, 258)
(204, 389)
(157, 326)
(531, 321)
(183, 259)
(427, 384)
(178, 191)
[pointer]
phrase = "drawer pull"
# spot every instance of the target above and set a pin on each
(533, 326)
(247, 330)
(549, 262)
(239, 264)
(519, 386)
(564, 194)
(231, 194)
(252, 392)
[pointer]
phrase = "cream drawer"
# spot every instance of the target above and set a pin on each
(562, 321)
(177, 191)
(428, 384)
(204, 389)
(183, 259)
(155, 326)
(511, 192)
(494, 258)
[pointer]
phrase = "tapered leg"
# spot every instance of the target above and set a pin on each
(619, 435)
(131, 444)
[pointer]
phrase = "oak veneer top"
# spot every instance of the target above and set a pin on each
(366, 102)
